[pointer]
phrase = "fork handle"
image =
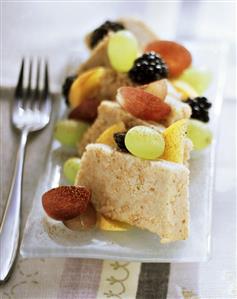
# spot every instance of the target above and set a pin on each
(10, 227)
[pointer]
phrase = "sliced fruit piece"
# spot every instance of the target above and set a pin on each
(107, 137)
(199, 133)
(174, 137)
(176, 56)
(145, 142)
(85, 84)
(71, 168)
(157, 88)
(66, 202)
(122, 50)
(142, 104)
(186, 90)
(86, 111)
(69, 132)
(86, 220)
(108, 224)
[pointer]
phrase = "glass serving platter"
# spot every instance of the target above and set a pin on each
(44, 237)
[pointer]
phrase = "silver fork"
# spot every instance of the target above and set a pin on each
(30, 112)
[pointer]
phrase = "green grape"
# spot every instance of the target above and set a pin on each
(69, 132)
(71, 168)
(122, 50)
(145, 142)
(199, 79)
(199, 133)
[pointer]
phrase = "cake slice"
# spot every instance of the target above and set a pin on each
(151, 195)
(110, 113)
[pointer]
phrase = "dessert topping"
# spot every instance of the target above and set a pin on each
(176, 56)
(199, 106)
(99, 33)
(148, 68)
(142, 104)
(66, 202)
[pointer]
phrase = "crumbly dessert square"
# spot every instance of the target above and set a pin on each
(151, 195)
(111, 112)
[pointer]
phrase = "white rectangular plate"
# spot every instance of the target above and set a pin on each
(44, 237)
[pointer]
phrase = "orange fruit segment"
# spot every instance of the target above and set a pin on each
(107, 137)
(174, 137)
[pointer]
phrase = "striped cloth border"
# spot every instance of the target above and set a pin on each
(96, 279)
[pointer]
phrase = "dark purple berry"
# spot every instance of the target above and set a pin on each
(120, 140)
(99, 33)
(199, 106)
(66, 87)
(147, 68)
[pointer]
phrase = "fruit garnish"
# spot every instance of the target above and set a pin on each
(199, 79)
(148, 68)
(142, 104)
(99, 33)
(84, 221)
(85, 86)
(108, 224)
(200, 107)
(67, 85)
(199, 133)
(107, 137)
(157, 88)
(186, 90)
(119, 138)
(69, 132)
(66, 202)
(174, 137)
(122, 50)
(176, 56)
(145, 142)
(86, 111)
(71, 168)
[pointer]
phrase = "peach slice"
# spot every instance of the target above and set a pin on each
(142, 104)
(185, 89)
(107, 137)
(174, 137)
(176, 56)
(157, 88)
(85, 86)
(107, 224)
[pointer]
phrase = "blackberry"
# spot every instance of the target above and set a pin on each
(199, 106)
(99, 33)
(147, 68)
(66, 87)
(120, 141)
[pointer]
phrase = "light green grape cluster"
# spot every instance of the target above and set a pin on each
(71, 168)
(199, 79)
(122, 50)
(145, 142)
(69, 132)
(199, 133)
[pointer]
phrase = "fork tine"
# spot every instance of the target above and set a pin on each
(19, 86)
(37, 87)
(28, 93)
(46, 81)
